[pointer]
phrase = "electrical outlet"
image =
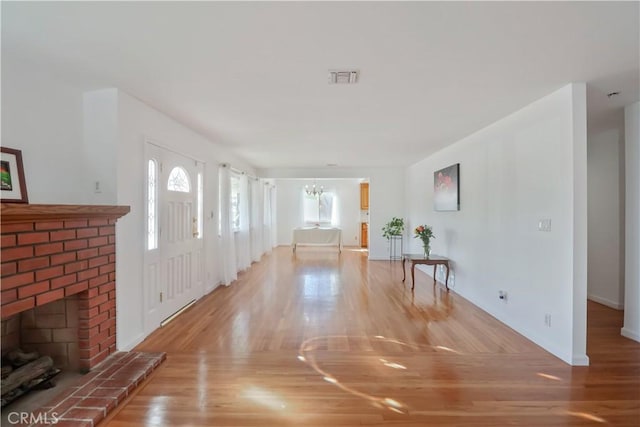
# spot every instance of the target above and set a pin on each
(502, 295)
(547, 320)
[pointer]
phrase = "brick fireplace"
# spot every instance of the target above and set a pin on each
(63, 254)
(59, 299)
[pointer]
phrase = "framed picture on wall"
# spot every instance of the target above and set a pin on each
(12, 182)
(446, 188)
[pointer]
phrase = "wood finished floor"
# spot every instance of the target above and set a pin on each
(317, 339)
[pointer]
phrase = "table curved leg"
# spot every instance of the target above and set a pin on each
(434, 274)
(446, 279)
(404, 272)
(413, 279)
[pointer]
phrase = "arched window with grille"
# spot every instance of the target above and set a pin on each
(179, 180)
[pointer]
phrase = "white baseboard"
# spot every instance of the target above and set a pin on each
(133, 343)
(625, 332)
(379, 258)
(582, 360)
(213, 287)
(605, 301)
(533, 336)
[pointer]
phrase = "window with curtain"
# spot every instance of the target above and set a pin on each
(319, 209)
(235, 202)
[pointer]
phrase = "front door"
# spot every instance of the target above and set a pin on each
(174, 255)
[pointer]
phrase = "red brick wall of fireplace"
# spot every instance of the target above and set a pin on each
(48, 260)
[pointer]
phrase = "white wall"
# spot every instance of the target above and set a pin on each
(605, 277)
(100, 133)
(137, 123)
(117, 129)
(42, 116)
(631, 327)
(290, 212)
(513, 174)
(386, 197)
(579, 254)
(71, 137)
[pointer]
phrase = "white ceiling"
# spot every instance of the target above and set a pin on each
(253, 76)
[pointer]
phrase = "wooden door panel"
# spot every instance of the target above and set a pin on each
(364, 235)
(364, 196)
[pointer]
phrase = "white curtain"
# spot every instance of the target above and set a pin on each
(268, 236)
(244, 241)
(227, 241)
(274, 220)
(257, 206)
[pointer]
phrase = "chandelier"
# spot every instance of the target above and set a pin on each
(314, 191)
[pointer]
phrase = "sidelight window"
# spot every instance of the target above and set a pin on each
(152, 205)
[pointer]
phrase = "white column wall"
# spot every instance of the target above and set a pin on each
(605, 205)
(631, 327)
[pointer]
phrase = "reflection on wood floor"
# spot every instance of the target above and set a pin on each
(321, 339)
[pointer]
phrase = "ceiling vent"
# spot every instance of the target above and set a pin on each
(343, 76)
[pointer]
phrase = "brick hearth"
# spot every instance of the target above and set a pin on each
(90, 399)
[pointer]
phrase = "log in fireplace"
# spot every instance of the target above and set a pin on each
(23, 372)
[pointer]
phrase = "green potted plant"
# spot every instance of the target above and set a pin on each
(395, 227)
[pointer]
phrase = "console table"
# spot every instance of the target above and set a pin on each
(327, 236)
(434, 260)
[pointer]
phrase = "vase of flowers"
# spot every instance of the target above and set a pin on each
(425, 233)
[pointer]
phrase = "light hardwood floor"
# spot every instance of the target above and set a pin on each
(321, 339)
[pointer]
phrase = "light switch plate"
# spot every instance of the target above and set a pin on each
(544, 224)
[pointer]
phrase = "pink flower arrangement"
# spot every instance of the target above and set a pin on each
(425, 233)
